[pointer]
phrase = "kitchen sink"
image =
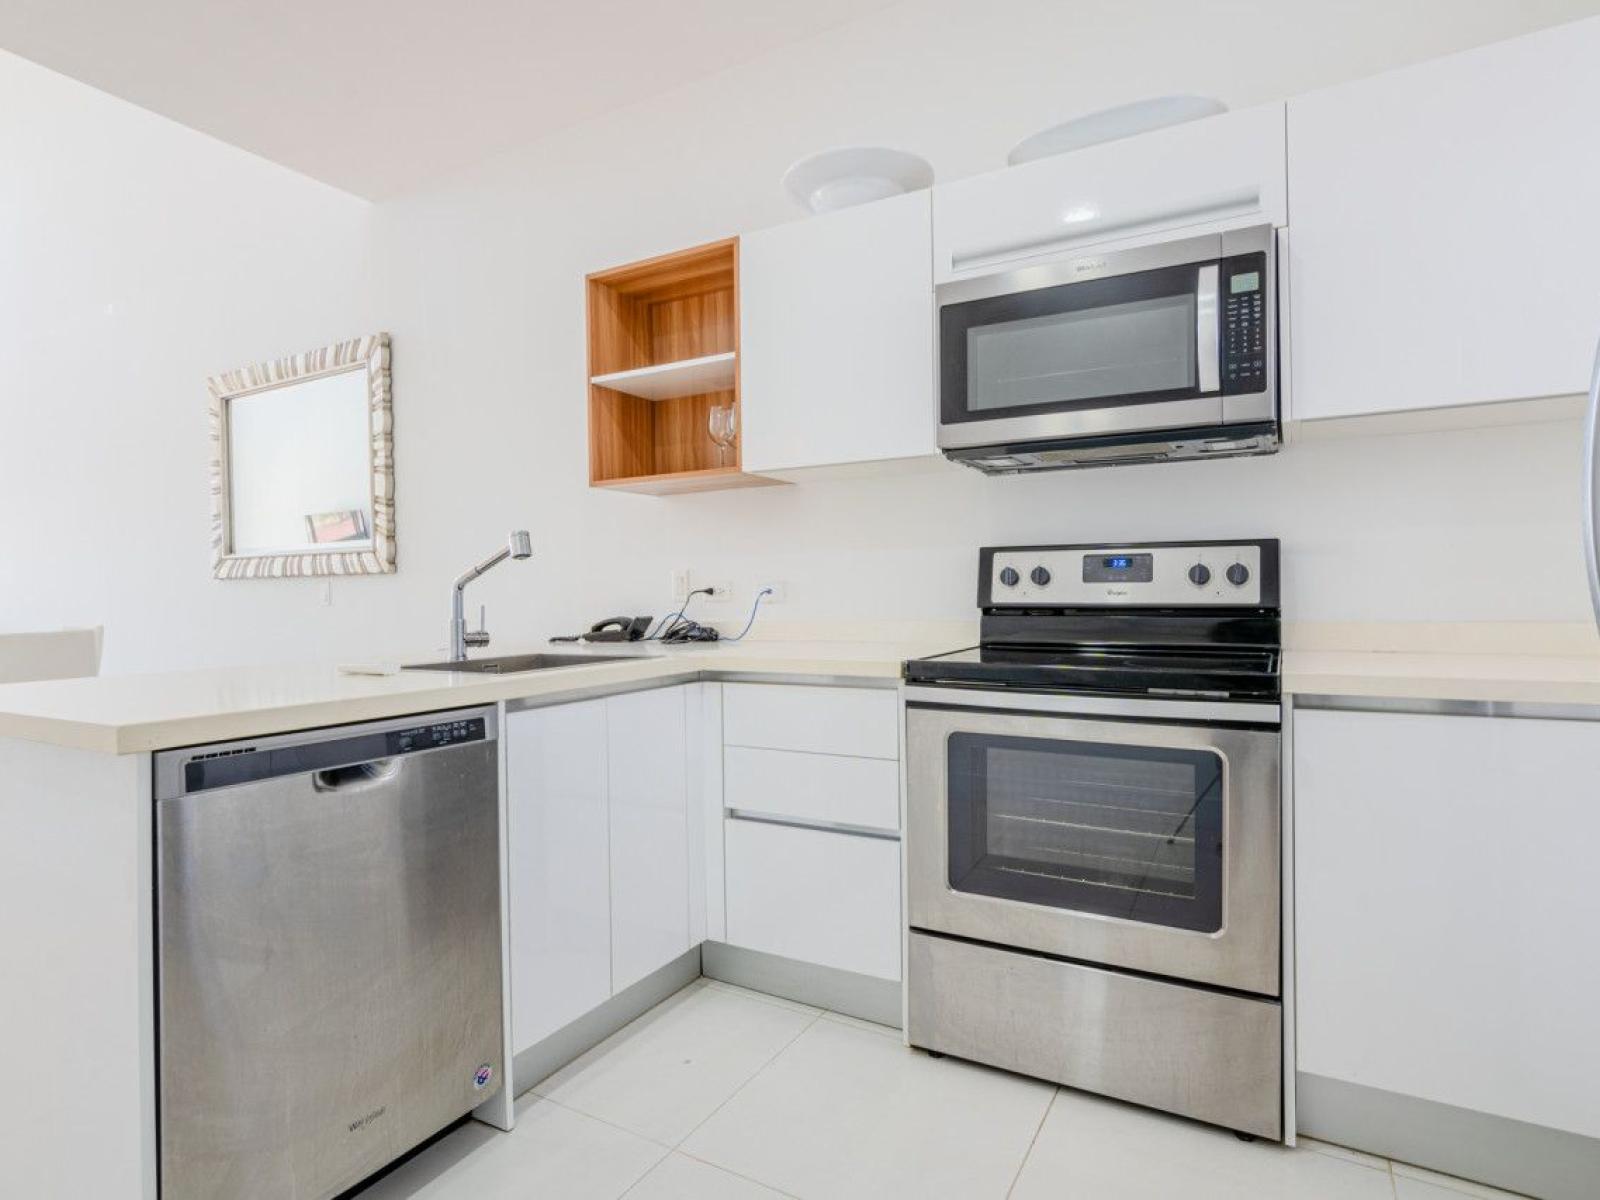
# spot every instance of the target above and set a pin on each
(512, 664)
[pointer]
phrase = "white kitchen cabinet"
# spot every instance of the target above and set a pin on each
(558, 850)
(1225, 171)
(648, 785)
(816, 720)
(1443, 242)
(814, 895)
(829, 789)
(836, 338)
(1446, 909)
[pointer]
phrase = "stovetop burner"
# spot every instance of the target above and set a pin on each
(1158, 620)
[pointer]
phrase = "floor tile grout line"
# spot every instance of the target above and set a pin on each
(793, 1006)
(850, 1021)
(1032, 1142)
(648, 1171)
(813, 1018)
(799, 1033)
(582, 1112)
(736, 1174)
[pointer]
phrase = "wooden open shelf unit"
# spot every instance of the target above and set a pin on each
(663, 349)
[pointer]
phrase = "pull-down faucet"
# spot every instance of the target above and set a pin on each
(518, 545)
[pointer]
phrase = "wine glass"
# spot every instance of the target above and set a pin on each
(722, 422)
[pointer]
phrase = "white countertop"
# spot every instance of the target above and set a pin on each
(1518, 662)
(1514, 678)
(125, 714)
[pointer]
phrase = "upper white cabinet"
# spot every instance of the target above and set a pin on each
(1221, 172)
(1444, 245)
(1446, 908)
(649, 789)
(836, 340)
(558, 850)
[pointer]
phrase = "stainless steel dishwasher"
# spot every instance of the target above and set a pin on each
(328, 951)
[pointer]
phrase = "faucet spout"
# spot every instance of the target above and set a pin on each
(518, 545)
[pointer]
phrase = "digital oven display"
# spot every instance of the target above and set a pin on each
(1118, 568)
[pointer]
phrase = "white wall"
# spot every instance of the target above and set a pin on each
(136, 258)
(208, 258)
(485, 299)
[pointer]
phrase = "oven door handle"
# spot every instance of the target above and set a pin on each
(1154, 708)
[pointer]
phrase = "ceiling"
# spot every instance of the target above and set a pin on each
(376, 96)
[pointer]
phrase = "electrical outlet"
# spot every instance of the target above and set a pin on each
(777, 592)
(721, 591)
(680, 584)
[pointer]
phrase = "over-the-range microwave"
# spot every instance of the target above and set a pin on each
(1163, 351)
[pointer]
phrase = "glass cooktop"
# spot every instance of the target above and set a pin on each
(1250, 672)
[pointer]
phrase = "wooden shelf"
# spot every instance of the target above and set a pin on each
(675, 483)
(670, 381)
(663, 352)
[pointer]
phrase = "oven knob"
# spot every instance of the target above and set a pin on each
(1040, 576)
(1238, 574)
(1009, 577)
(1199, 574)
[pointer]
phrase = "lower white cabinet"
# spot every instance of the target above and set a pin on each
(558, 839)
(832, 789)
(814, 895)
(1446, 909)
(649, 832)
(620, 859)
(598, 852)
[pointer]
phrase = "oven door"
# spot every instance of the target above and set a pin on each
(1170, 336)
(1127, 843)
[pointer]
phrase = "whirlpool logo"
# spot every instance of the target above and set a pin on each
(361, 1123)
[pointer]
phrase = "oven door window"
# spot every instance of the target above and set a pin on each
(1125, 340)
(1122, 831)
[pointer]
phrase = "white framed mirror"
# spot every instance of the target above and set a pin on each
(302, 469)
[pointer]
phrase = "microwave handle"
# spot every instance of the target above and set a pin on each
(1591, 487)
(1205, 329)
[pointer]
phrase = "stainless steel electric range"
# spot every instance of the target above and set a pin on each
(1093, 828)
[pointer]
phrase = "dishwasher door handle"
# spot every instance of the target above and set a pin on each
(356, 778)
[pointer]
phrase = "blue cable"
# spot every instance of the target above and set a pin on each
(764, 592)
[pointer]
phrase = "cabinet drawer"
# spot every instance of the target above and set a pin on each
(824, 788)
(826, 898)
(822, 720)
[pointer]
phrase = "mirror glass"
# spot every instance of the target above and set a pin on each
(299, 466)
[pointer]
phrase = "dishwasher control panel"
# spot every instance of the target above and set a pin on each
(205, 768)
(444, 733)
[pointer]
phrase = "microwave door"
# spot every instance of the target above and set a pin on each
(1121, 353)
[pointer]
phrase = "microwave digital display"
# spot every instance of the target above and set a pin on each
(1245, 281)
(1118, 568)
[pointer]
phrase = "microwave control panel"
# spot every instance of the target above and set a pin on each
(1244, 324)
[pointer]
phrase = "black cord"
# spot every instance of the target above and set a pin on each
(669, 624)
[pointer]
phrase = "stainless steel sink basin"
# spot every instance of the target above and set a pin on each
(511, 664)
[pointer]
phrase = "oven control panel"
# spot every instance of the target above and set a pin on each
(1236, 575)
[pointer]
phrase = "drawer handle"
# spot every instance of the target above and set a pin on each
(758, 818)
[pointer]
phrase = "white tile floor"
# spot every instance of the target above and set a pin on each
(724, 1094)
